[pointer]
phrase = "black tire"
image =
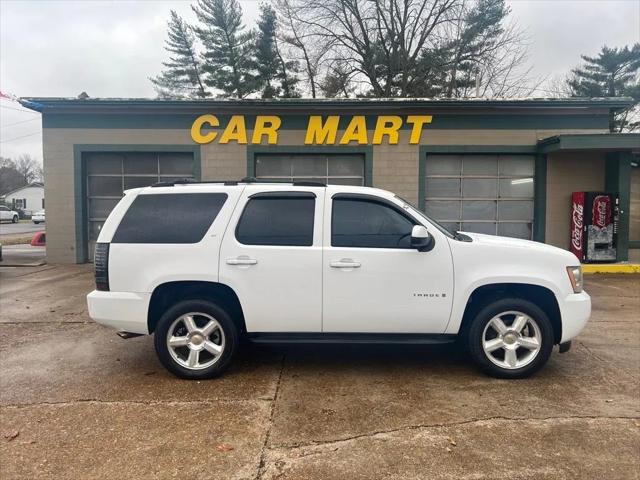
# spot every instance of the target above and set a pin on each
(36, 222)
(224, 320)
(14, 219)
(475, 332)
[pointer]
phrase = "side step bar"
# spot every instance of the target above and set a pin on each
(359, 338)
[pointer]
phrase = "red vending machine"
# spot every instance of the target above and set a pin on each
(594, 226)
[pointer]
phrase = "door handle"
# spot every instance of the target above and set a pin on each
(345, 263)
(242, 260)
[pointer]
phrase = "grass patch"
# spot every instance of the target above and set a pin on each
(16, 240)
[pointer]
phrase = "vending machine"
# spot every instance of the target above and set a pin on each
(594, 221)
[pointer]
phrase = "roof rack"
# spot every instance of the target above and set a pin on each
(188, 181)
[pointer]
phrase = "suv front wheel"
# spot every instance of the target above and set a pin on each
(196, 339)
(510, 338)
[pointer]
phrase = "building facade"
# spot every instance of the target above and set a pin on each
(499, 167)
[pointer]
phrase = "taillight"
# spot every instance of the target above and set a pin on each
(101, 264)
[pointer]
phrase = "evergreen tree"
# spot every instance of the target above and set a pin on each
(227, 58)
(276, 76)
(614, 72)
(182, 76)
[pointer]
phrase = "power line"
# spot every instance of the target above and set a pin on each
(22, 136)
(18, 123)
(19, 109)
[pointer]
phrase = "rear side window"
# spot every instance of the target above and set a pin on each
(368, 224)
(169, 218)
(277, 220)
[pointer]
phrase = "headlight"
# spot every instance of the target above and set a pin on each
(575, 276)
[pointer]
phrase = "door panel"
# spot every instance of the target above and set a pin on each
(273, 259)
(385, 289)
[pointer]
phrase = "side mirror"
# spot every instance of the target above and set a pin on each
(421, 239)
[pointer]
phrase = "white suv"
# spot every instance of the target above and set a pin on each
(201, 265)
(7, 214)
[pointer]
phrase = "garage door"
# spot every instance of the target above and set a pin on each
(329, 169)
(490, 194)
(110, 174)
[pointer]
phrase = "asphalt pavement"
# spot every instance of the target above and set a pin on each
(76, 401)
(14, 229)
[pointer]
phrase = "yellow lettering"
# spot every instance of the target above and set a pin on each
(318, 133)
(196, 129)
(356, 131)
(418, 122)
(387, 125)
(266, 125)
(235, 130)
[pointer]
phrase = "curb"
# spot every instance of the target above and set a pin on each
(611, 268)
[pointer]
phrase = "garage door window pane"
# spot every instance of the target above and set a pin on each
(346, 166)
(516, 187)
(480, 165)
(442, 187)
(479, 227)
(443, 164)
(443, 210)
(479, 188)
(179, 164)
(100, 208)
(358, 182)
(135, 182)
(515, 210)
(516, 165)
(94, 230)
(478, 210)
(141, 163)
(104, 163)
(105, 186)
(273, 166)
(517, 230)
(310, 165)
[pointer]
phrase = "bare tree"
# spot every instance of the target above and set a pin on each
(303, 46)
(28, 168)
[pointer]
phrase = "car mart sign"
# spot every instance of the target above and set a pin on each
(320, 131)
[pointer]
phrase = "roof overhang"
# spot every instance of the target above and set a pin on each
(113, 105)
(591, 141)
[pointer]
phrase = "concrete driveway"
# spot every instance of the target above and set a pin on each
(78, 402)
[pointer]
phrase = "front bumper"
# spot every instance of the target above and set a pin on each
(123, 311)
(575, 310)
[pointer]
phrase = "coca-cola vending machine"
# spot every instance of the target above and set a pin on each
(594, 218)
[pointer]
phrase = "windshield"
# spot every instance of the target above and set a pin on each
(414, 210)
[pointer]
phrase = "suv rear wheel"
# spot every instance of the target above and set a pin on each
(196, 339)
(510, 338)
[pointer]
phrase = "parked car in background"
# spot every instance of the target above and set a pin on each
(38, 217)
(6, 214)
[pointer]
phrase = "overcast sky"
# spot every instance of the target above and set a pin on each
(110, 48)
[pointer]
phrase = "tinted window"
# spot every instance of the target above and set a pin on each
(169, 218)
(272, 220)
(364, 223)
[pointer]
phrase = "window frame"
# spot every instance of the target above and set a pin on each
(278, 195)
(371, 199)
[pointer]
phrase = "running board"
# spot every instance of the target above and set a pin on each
(359, 338)
(126, 335)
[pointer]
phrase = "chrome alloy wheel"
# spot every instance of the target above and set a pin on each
(511, 340)
(195, 340)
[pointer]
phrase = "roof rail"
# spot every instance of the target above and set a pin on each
(188, 181)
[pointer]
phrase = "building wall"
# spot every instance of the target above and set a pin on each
(634, 214)
(395, 167)
(567, 173)
(33, 195)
